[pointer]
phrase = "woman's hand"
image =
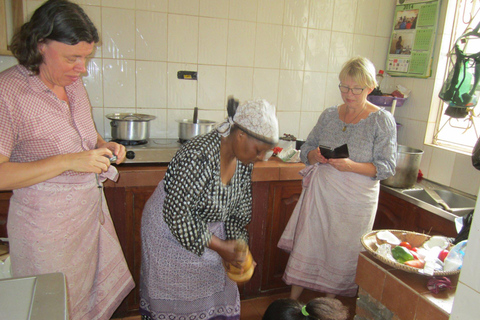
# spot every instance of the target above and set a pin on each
(117, 149)
(95, 161)
(226, 250)
(315, 156)
(344, 165)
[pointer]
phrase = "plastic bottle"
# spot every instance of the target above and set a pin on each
(379, 78)
(454, 260)
(388, 85)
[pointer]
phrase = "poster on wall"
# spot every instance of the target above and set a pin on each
(410, 52)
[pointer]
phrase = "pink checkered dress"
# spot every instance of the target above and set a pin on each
(62, 224)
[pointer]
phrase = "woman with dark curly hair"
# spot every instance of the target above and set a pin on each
(316, 309)
(55, 161)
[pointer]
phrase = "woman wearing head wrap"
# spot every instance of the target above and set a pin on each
(197, 214)
(340, 196)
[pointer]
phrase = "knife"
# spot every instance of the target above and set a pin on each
(432, 193)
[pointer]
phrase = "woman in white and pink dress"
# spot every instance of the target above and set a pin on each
(54, 160)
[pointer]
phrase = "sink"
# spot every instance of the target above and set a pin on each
(459, 204)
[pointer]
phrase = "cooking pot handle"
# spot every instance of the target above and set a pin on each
(113, 124)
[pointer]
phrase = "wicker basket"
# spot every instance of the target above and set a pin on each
(369, 241)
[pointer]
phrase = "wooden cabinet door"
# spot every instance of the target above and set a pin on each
(4, 204)
(283, 197)
(432, 224)
(394, 213)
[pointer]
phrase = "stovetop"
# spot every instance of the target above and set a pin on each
(155, 150)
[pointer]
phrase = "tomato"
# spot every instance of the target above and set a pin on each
(415, 255)
(406, 245)
(414, 249)
(443, 254)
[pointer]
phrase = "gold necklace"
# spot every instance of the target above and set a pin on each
(345, 117)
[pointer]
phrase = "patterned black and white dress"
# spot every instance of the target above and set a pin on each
(181, 278)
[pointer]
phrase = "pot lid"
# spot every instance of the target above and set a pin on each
(199, 121)
(130, 116)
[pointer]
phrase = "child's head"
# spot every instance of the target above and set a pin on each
(316, 309)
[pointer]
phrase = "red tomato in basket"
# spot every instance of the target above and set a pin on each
(406, 245)
(443, 254)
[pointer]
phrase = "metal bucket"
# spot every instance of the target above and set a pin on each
(408, 163)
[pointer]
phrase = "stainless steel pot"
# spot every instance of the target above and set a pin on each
(408, 163)
(187, 129)
(130, 126)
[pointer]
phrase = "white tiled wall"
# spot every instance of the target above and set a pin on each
(286, 51)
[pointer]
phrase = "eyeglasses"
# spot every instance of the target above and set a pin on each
(355, 91)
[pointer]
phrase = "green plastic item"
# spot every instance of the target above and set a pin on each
(401, 254)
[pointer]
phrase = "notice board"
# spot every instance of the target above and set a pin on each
(410, 52)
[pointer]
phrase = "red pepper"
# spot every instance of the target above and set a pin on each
(415, 263)
(406, 245)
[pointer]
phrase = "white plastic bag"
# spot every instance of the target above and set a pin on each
(289, 154)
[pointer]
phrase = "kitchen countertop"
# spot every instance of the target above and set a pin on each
(142, 175)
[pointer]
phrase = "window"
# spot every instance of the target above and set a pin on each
(451, 132)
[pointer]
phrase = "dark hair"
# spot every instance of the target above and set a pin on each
(317, 309)
(57, 20)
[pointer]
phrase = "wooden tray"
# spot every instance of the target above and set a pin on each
(369, 242)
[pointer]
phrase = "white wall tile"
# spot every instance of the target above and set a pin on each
(380, 53)
(314, 85)
(296, 13)
(290, 90)
(94, 13)
(385, 18)
(7, 62)
(441, 166)
(93, 82)
(265, 84)
(245, 10)
(288, 122)
(190, 7)
(270, 11)
(151, 84)
(321, 14)
(240, 83)
(367, 16)
(214, 8)
(344, 14)
(293, 48)
(363, 46)
(241, 43)
(463, 170)
(124, 4)
(88, 2)
(151, 43)
(119, 83)
(332, 95)
(182, 38)
(211, 87)
(118, 33)
(341, 47)
(317, 50)
(152, 5)
(307, 121)
(212, 46)
(268, 45)
(182, 94)
(99, 120)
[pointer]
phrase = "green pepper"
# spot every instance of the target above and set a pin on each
(401, 254)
